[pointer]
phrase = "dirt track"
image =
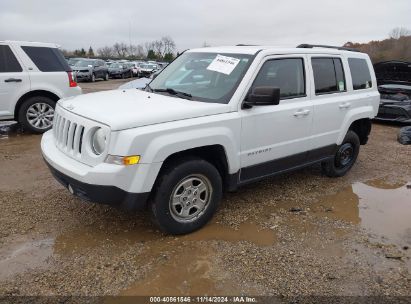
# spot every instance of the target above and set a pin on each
(296, 234)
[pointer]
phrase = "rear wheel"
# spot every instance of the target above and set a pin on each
(345, 156)
(186, 196)
(36, 114)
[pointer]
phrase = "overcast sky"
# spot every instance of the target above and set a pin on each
(75, 24)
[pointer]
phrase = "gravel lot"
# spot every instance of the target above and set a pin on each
(297, 234)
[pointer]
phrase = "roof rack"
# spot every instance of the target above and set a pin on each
(310, 46)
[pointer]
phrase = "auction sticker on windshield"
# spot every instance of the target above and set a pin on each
(223, 64)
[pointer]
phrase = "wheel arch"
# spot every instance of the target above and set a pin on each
(214, 154)
(30, 94)
(359, 121)
(362, 127)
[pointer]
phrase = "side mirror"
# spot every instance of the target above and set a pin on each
(263, 96)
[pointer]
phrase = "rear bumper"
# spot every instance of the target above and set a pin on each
(108, 195)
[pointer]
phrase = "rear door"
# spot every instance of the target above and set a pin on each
(14, 81)
(331, 101)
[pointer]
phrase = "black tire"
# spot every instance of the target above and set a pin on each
(176, 173)
(345, 156)
(23, 113)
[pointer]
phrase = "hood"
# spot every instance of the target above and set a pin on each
(134, 108)
(140, 83)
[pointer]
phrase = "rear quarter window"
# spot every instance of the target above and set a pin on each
(8, 62)
(360, 73)
(47, 59)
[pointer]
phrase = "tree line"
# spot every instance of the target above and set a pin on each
(161, 49)
(396, 47)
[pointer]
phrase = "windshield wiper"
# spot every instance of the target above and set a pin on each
(175, 92)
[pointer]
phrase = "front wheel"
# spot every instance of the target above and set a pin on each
(345, 156)
(36, 114)
(186, 196)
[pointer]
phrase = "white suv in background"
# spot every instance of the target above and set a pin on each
(213, 120)
(33, 76)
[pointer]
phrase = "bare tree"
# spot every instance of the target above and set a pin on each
(149, 46)
(399, 32)
(120, 49)
(169, 45)
(159, 48)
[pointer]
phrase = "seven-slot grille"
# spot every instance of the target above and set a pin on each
(68, 135)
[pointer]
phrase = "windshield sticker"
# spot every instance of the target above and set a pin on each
(223, 64)
(341, 86)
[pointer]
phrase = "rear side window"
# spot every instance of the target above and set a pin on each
(360, 73)
(286, 74)
(328, 75)
(47, 59)
(8, 62)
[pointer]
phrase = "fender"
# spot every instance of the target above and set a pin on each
(353, 115)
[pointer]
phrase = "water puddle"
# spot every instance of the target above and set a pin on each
(381, 208)
(20, 256)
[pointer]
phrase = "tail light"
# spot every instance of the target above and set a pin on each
(72, 82)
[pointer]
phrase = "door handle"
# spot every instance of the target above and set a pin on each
(12, 80)
(345, 105)
(302, 113)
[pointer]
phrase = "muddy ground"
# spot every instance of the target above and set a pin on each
(296, 234)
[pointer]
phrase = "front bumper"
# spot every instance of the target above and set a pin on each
(108, 195)
(82, 75)
(109, 184)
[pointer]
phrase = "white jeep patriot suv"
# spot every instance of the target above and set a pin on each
(213, 120)
(33, 76)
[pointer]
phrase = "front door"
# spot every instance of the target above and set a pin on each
(277, 137)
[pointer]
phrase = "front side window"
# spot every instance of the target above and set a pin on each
(286, 74)
(8, 62)
(328, 75)
(206, 77)
(47, 59)
(360, 73)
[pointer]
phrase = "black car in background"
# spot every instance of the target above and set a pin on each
(90, 70)
(394, 85)
(120, 70)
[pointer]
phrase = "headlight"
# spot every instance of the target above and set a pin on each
(99, 141)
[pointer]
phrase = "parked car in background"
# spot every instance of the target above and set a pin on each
(140, 83)
(214, 120)
(394, 79)
(135, 66)
(90, 70)
(33, 77)
(72, 61)
(147, 69)
(120, 70)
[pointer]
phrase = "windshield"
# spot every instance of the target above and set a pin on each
(72, 61)
(148, 66)
(207, 77)
(83, 63)
(116, 65)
